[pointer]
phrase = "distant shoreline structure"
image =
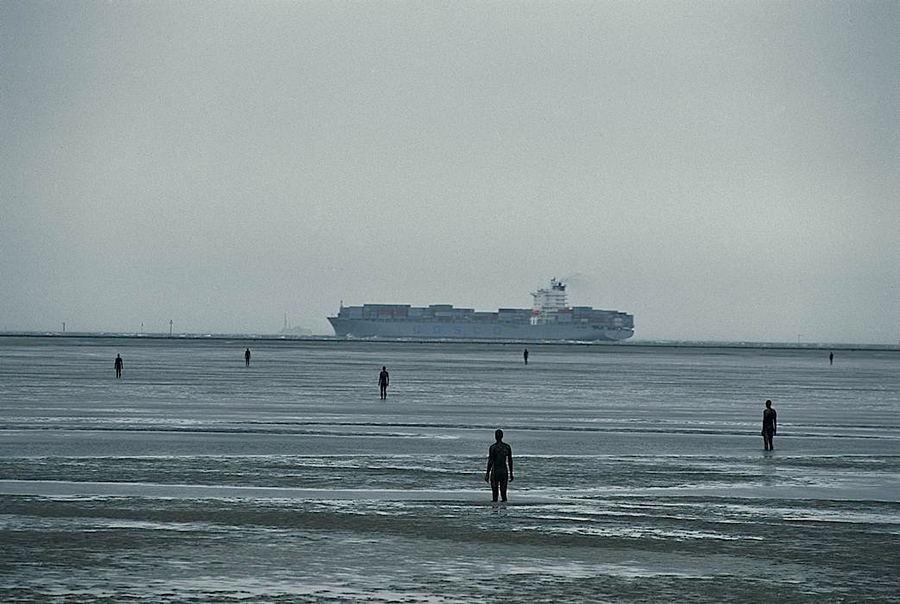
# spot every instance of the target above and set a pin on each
(287, 339)
(550, 318)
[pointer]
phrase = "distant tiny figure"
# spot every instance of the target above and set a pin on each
(831, 359)
(384, 379)
(499, 455)
(769, 426)
(525, 354)
(118, 365)
(247, 357)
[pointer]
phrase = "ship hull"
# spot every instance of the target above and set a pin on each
(410, 328)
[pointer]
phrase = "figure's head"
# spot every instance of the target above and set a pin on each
(383, 367)
(768, 404)
(498, 434)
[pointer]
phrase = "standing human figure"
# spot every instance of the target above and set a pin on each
(831, 358)
(118, 364)
(247, 357)
(499, 456)
(769, 426)
(384, 379)
(525, 355)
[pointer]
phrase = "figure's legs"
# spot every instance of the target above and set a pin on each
(498, 485)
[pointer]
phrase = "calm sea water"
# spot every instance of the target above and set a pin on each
(640, 474)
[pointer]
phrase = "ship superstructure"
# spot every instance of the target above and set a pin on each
(550, 318)
(548, 303)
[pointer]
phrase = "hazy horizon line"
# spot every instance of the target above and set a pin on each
(281, 336)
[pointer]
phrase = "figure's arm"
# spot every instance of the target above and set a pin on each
(774, 423)
(510, 461)
(487, 472)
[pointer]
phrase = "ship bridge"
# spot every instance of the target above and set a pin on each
(547, 302)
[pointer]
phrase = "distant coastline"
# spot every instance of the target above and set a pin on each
(287, 337)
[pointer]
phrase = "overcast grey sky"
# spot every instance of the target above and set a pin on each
(723, 170)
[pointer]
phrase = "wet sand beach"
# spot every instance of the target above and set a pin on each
(640, 474)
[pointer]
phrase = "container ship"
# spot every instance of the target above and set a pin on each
(551, 318)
